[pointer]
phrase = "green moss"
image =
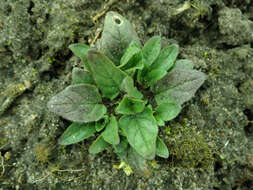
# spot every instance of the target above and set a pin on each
(188, 148)
(3, 141)
(51, 60)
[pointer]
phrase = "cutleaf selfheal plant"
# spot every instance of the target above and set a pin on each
(125, 93)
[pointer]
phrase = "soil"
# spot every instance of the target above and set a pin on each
(210, 142)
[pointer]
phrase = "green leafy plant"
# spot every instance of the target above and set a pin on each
(126, 102)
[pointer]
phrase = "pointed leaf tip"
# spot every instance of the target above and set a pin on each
(81, 51)
(98, 145)
(166, 58)
(151, 50)
(110, 134)
(77, 132)
(178, 86)
(161, 148)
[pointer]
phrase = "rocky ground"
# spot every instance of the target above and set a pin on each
(210, 143)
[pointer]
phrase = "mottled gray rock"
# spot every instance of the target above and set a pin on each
(234, 27)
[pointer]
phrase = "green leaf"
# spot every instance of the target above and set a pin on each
(139, 76)
(81, 51)
(98, 145)
(106, 75)
(178, 86)
(158, 69)
(132, 59)
(159, 120)
(79, 103)
(136, 63)
(154, 76)
(117, 34)
(130, 89)
(79, 76)
(132, 50)
(130, 72)
(111, 134)
(77, 132)
(184, 64)
(166, 59)
(161, 149)
(130, 106)
(99, 126)
(151, 50)
(167, 111)
(121, 148)
(141, 131)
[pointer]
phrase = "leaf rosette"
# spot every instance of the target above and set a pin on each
(125, 96)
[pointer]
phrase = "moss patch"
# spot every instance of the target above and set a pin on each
(188, 148)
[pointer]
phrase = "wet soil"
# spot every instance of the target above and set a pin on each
(210, 143)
